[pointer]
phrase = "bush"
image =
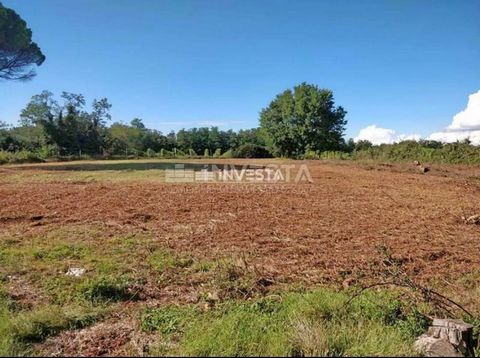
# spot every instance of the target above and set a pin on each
(218, 153)
(192, 154)
(310, 154)
(252, 151)
(166, 154)
(228, 154)
(150, 153)
(23, 156)
(424, 151)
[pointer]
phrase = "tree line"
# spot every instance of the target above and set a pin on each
(298, 120)
(65, 127)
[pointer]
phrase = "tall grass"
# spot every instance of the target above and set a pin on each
(296, 324)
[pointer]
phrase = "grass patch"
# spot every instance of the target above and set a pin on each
(168, 320)
(20, 329)
(104, 289)
(62, 252)
(164, 259)
(295, 324)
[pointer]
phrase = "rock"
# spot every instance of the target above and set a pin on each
(213, 297)
(474, 219)
(446, 338)
(75, 271)
(435, 347)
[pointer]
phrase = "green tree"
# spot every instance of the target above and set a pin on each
(363, 145)
(18, 53)
(137, 123)
(303, 119)
(40, 107)
(68, 126)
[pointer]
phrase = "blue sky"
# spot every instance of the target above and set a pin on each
(405, 65)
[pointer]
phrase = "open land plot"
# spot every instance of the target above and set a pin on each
(146, 244)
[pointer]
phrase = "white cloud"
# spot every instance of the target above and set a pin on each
(377, 135)
(465, 124)
(453, 136)
(469, 118)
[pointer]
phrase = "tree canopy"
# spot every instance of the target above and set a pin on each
(65, 126)
(304, 119)
(18, 53)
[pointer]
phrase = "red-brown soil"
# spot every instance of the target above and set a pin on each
(317, 232)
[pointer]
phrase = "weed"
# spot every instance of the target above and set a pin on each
(167, 320)
(163, 260)
(104, 289)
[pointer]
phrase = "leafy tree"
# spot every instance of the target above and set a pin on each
(68, 126)
(363, 145)
(137, 123)
(40, 107)
(302, 120)
(252, 151)
(18, 53)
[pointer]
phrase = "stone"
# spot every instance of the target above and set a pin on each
(75, 271)
(473, 220)
(446, 338)
(435, 347)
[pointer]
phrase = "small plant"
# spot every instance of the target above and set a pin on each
(104, 289)
(167, 320)
(234, 279)
(165, 259)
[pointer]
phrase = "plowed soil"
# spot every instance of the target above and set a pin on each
(317, 232)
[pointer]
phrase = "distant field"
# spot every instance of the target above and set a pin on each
(226, 268)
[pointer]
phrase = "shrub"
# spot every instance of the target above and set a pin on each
(192, 154)
(310, 154)
(166, 154)
(218, 153)
(228, 154)
(23, 156)
(252, 151)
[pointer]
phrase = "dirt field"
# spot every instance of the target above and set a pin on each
(308, 234)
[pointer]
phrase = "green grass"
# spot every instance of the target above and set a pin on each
(19, 329)
(236, 313)
(299, 324)
(105, 289)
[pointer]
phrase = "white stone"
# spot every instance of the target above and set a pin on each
(435, 347)
(75, 271)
